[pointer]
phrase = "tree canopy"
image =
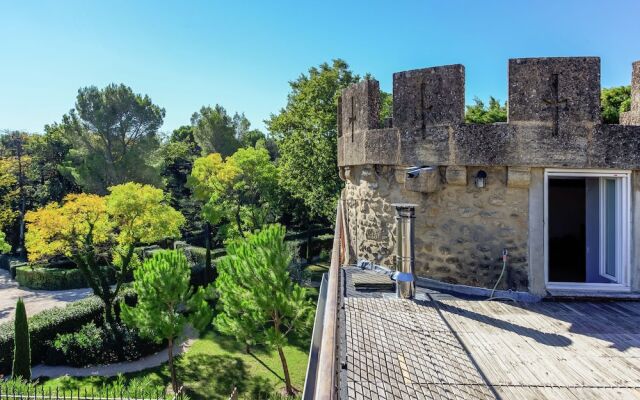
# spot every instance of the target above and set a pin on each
(306, 131)
(613, 101)
(113, 133)
(166, 303)
(243, 189)
(85, 227)
(215, 131)
(260, 302)
(479, 113)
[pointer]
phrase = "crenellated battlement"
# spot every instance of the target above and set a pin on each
(553, 120)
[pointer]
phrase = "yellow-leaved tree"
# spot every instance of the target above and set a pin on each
(86, 227)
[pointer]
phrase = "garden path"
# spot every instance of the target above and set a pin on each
(34, 300)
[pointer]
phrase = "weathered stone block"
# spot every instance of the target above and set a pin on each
(428, 97)
(633, 117)
(456, 175)
(518, 177)
(557, 91)
(359, 107)
(424, 180)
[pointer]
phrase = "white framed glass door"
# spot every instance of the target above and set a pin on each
(587, 225)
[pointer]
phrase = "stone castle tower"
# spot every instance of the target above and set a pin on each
(554, 122)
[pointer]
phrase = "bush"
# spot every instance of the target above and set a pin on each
(47, 278)
(93, 345)
(46, 325)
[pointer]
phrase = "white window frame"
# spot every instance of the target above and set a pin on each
(623, 216)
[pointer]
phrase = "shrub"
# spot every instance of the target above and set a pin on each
(21, 348)
(93, 345)
(47, 278)
(45, 326)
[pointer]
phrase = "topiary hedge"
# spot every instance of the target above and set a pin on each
(47, 278)
(45, 326)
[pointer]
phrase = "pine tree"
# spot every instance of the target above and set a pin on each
(260, 302)
(22, 346)
(166, 302)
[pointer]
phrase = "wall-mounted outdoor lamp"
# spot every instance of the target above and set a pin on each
(481, 179)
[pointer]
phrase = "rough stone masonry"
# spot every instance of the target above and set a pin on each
(553, 122)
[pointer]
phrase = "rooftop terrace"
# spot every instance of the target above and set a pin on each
(442, 346)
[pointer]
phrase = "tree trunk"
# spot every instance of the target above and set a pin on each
(285, 369)
(239, 222)
(172, 368)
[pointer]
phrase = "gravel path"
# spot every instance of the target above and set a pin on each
(151, 361)
(34, 300)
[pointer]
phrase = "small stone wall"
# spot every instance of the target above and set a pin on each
(460, 229)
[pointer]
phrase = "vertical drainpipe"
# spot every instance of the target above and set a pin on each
(405, 278)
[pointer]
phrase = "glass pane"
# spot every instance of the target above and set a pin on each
(610, 227)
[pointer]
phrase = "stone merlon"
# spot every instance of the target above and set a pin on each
(553, 120)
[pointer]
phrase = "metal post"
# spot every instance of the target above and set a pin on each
(405, 278)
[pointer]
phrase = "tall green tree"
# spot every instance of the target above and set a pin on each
(479, 113)
(21, 344)
(215, 131)
(613, 101)
(113, 133)
(241, 190)
(306, 132)
(260, 302)
(166, 302)
(84, 227)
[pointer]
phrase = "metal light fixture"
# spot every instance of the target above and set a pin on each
(481, 179)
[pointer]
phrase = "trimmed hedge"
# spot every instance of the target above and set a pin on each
(46, 325)
(48, 278)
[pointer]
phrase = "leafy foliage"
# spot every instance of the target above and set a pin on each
(93, 345)
(260, 302)
(44, 326)
(52, 278)
(113, 133)
(306, 131)
(85, 226)
(479, 113)
(4, 246)
(243, 189)
(21, 347)
(215, 131)
(613, 101)
(166, 302)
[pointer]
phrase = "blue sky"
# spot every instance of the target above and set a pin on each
(242, 54)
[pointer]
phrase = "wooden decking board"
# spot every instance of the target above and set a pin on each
(455, 348)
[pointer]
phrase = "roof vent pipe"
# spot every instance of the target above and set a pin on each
(405, 278)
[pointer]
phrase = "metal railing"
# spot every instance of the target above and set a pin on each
(39, 392)
(321, 382)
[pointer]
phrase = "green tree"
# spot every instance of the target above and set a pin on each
(260, 303)
(479, 113)
(306, 132)
(166, 302)
(614, 101)
(215, 131)
(4, 246)
(84, 227)
(113, 133)
(243, 189)
(21, 344)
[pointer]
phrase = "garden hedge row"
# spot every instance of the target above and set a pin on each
(46, 325)
(48, 278)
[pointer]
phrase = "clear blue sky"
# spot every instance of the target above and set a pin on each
(185, 54)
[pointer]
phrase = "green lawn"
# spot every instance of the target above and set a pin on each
(215, 364)
(211, 368)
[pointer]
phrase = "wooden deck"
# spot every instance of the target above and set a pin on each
(444, 347)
